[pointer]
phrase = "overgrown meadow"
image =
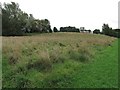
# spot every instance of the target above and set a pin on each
(60, 60)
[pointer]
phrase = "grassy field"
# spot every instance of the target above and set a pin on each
(60, 60)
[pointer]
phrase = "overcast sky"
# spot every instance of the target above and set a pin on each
(90, 14)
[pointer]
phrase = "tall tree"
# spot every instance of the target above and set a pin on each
(17, 22)
(55, 29)
(106, 29)
(11, 20)
(45, 25)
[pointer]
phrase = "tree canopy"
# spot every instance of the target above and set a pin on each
(69, 29)
(96, 31)
(109, 31)
(55, 29)
(16, 22)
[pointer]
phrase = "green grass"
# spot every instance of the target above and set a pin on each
(60, 60)
(102, 72)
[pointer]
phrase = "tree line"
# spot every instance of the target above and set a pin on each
(15, 22)
(106, 30)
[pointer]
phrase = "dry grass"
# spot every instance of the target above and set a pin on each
(51, 46)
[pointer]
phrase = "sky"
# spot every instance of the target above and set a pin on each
(90, 14)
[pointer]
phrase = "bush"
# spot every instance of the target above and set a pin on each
(96, 31)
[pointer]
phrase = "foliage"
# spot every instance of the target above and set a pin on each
(16, 22)
(11, 19)
(55, 29)
(69, 29)
(109, 31)
(96, 31)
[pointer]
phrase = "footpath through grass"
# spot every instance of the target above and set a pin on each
(102, 72)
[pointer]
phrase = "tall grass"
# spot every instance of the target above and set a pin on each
(45, 52)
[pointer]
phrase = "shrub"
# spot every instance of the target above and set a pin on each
(96, 31)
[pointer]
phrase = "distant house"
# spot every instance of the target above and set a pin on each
(83, 30)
